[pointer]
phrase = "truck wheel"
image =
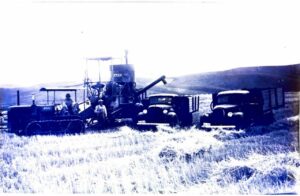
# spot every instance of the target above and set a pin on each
(135, 120)
(174, 121)
(269, 118)
(243, 123)
(202, 120)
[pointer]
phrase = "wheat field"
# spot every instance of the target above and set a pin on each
(260, 160)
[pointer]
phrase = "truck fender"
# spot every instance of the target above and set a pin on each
(172, 114)
(173, 119)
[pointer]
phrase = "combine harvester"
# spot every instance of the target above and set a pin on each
(123, 103)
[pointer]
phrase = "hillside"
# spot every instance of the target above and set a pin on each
(248, 77)
(8, 96)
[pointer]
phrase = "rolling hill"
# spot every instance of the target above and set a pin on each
(248, 77)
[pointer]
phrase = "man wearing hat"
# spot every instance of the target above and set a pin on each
(68, 102)
(101, 112)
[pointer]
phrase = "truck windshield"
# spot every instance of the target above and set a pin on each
(230, 99)
(161, 100)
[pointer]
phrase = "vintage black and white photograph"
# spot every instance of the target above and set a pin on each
(149, 97)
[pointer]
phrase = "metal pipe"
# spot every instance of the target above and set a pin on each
(18, 97)
(48, 97)
(162, 78)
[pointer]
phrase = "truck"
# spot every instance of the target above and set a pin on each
(238, 109)
(170, 109)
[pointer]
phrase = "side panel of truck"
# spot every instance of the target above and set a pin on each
(280, 97)
(185, 107)
(273, 98)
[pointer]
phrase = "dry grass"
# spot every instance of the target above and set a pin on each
(168, 161)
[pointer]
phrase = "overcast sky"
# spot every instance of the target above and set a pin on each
(48, 41)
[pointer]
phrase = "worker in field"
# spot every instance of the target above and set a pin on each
(101, 112)
(68, 104)
(1, 118)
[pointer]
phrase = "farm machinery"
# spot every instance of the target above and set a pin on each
(120, 97)
(118, 101)
(122, 100)
(44, 119)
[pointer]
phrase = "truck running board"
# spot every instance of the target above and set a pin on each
(150, 126)
(218, 127)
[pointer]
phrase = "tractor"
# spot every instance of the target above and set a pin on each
(49, 118)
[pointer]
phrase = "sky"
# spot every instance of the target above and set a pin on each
(49, 41)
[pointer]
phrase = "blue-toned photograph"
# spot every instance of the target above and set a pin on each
(149, 97)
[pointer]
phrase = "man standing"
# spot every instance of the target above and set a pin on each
(101, 112)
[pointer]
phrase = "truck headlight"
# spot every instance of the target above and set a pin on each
(165, 111)
(229, 114)
(145, 111)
